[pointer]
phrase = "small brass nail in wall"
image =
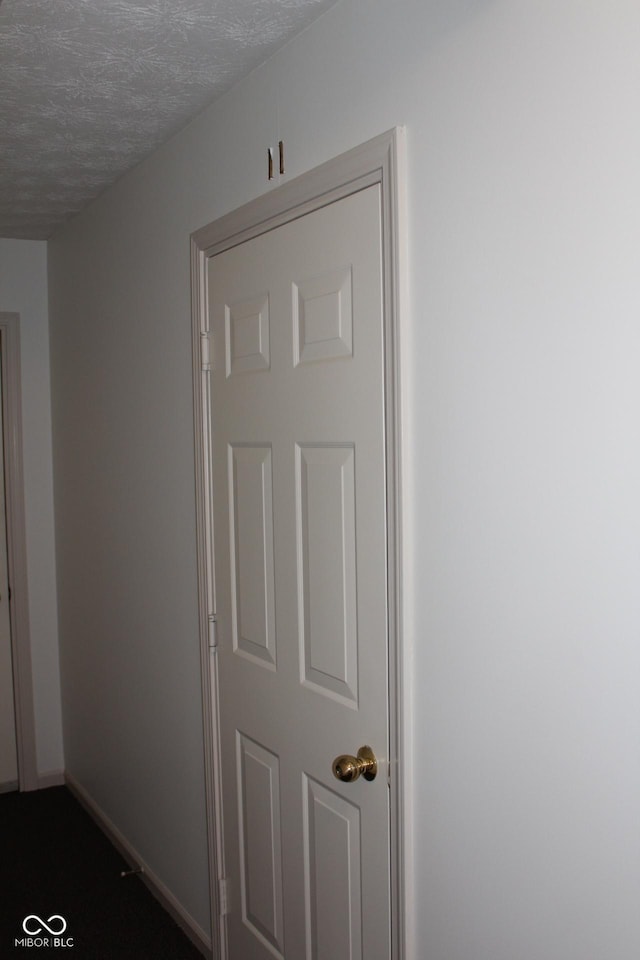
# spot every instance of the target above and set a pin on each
(281, 153)
(270, 162)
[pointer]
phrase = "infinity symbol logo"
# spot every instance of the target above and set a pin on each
(55, 930)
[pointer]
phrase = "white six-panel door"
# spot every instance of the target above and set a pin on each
(301, 586)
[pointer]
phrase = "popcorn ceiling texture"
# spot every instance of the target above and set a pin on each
(88, 88)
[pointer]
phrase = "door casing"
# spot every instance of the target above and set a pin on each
(380, 161)
(17, 552)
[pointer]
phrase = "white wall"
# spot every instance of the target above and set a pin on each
(523, 455)
(23, 290)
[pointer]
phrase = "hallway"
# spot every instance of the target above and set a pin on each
(58, 867)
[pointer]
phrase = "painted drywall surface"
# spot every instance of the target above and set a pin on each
(522, 455)
(23, 289)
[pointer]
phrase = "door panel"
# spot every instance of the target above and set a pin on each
(300, 568)
(260, 841)
(251, 541)
(332, 875)
(326, 532)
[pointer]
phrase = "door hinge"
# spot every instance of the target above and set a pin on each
(205, 350)
(213, 632)
(223, 896)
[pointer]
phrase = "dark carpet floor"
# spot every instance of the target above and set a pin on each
(54, 860)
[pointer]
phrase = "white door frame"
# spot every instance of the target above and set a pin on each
(378, 161)
(17, 551)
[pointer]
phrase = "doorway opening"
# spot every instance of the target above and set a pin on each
(14, 608)
(237, 474)
(8, 742)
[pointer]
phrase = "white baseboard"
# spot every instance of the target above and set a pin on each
(55, 778)
(161, 892)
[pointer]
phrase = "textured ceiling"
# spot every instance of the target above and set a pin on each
(88, 88)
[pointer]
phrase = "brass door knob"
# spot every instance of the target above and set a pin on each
(348, 768)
